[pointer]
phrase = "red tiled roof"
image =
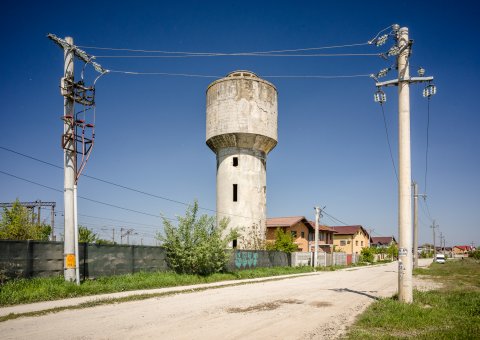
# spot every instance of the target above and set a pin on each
(322, 227)
(348, 230)
(466, 248)
(275, 222)
(383, 239)
(284, 221)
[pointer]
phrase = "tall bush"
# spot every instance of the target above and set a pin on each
(283, 242)
(196, 244)
(16, 224)
(367, 254)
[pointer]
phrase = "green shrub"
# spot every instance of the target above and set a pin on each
(475, 254)
(283, 242)
(196, 245)
(367, 254)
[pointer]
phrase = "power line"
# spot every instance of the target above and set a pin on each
(426, 149)
(165, 74)
(240, 55)
(425, 210)
(334, 218)
(193, 75)
(388, 141)
(220, 53)
(117, 185)
(317, 48)
(82, 197)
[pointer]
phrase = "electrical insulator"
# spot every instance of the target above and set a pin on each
(394, 50)
(381, 40)
(429, 90)
(383, 72)
(380, 97)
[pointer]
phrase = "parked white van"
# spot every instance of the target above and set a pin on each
(440, 258)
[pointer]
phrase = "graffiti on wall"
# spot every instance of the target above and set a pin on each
(244, 259)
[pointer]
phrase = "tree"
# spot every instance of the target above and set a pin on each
(86, 235)
(196, 245)
(368, 254)
(252, 238)
(104, 242)
(283, 242)
(16, 224)
(392, 251)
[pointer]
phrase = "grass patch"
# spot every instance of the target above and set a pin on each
(45, 289)
(452, 312)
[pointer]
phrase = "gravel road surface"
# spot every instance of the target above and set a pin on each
(319, 306)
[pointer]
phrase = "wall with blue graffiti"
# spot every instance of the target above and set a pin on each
(248, 259)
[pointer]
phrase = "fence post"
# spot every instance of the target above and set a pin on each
(28, 260)
(85, 258)
(133, 259)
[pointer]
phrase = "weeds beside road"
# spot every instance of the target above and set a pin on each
(19, 291)
(45, 289)
(451, 312)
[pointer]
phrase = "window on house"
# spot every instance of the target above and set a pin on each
(321, 236)
(303, 234)
(362, 243)
(235, 161)
(234, 243)
(348, 242)
(342, 242)
(235, 188)
(356, 243)
(294, 233)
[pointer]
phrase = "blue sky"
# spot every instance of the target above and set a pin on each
(332, 149)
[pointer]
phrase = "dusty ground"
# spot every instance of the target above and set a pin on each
(309, 307)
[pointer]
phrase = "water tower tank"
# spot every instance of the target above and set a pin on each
(241, 130)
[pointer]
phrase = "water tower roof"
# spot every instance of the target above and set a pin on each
(242, 73)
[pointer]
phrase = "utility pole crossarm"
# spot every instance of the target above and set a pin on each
(79, 53)
(394, 82)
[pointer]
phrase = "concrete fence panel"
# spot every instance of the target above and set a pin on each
(301, 259)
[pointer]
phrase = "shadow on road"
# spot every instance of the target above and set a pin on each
(341, 290)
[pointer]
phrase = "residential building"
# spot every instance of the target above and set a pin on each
(461, 250)
(382, 241)
(350, 239)
(303, 232)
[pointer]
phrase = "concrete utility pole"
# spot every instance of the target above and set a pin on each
(405, 287)
(433, 226)
(370, 231)
(74, 92)
(52, 223)
(70, 259)
(415, 223)
(315, 253)
(441, 242)
(405, 291)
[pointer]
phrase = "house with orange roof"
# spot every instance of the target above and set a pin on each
(350, 239)
(303, 232)
(461, 250)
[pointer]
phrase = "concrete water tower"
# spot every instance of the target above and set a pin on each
(242, 130)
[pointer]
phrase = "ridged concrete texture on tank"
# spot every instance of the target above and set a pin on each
(241, 130)
(242, 112)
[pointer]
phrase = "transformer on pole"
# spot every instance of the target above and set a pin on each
(77, 142)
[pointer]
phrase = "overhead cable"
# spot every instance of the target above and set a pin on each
(243, 55)
(219, 76)
(82, 197)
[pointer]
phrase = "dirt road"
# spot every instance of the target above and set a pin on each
(310, 307)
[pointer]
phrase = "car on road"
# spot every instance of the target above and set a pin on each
(440, 258)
